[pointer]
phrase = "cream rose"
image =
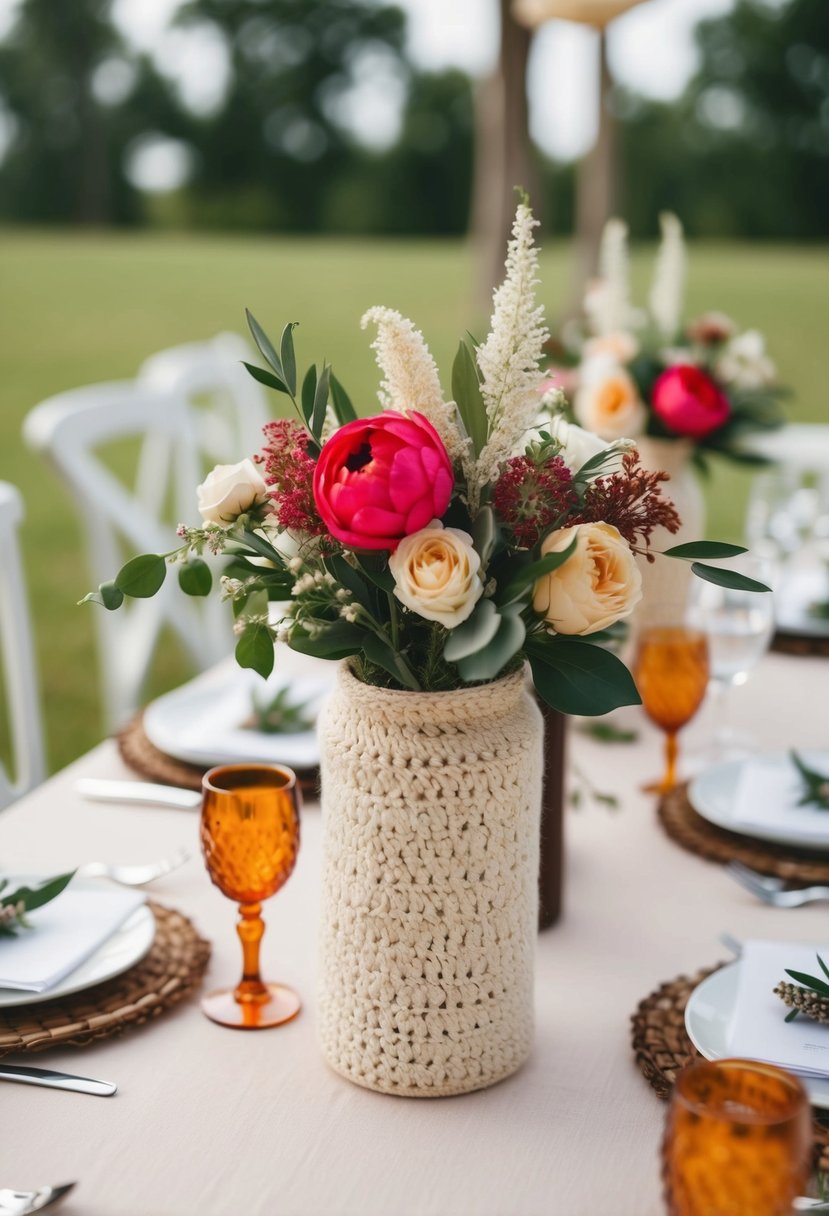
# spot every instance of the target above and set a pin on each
(437, 574)
(228, 490)
(598, 585)
(607, 401)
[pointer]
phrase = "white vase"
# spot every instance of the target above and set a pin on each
(665, 582)
(431, 806)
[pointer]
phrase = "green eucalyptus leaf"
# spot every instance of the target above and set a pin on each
(142, 577)
(309, 388)
(288, 358)
(267, 378)
(266, 347)
(731, 579)
(484, 533)
(530, 574)
(343, 407)
(704, 548)
(576, 678)
(485, 664)
(466, 392)
(255, 649)
(320, 401)
(195, 577)
(474, 633)
(108, 595)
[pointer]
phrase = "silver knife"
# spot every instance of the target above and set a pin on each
(137, 791)
(56, 1080)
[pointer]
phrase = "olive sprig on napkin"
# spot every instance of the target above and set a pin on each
(809, 995)
(815, 790)
(15, 904)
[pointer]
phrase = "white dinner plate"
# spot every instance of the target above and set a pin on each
(713, 794)
(127, 946)
(798, 591)
(202, 722)
(708, 1017)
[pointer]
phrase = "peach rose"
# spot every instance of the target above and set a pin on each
(598, 585)
(437, 574)
(619, 346)
(608, 402)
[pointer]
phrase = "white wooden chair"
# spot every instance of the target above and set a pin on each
(25, 730)
(231, 407)
(120, 520)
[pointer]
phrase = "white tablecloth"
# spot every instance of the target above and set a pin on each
(212, 1122)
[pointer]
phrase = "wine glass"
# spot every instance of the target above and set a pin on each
(250, 839)
(739, 627)
(671, 672)
(738, 1140)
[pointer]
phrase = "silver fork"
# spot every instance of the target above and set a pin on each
(133, 875)
(26, 1203)
(772, 890)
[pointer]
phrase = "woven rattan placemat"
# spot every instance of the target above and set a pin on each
(662, 1047)
(169, 972)
(697, 835)
(800, 643)
(145, 759)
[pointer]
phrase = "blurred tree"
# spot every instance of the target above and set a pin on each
(281, 137)
(745, 150)
(58, 161)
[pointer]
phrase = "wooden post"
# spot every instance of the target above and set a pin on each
(553, 806)
(595, 185)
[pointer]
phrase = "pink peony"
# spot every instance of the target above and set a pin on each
(689, 403)
(380, 479)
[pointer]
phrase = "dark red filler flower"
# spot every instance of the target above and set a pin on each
(532, 494)
(632, 501)
(289, 476)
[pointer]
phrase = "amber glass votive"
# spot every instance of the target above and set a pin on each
(738, 1141)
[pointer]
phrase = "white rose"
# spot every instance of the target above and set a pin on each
(607, 400)
(598, 585)
(228, 490)
(437, 574)
(744, 362)
(577, 445)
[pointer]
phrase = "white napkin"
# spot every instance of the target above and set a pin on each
(768, 792)
(64, 934)
(758, 1029)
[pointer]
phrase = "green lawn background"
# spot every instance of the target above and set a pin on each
(75, 309)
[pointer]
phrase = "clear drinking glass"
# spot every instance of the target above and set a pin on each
(250, 839)
(739, 627)
(738, 1141)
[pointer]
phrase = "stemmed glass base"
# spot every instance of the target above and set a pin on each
(278, 1004)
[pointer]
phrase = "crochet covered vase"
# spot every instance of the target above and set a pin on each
(431, 805)
(665, 584)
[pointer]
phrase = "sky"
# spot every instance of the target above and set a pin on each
(650, 48)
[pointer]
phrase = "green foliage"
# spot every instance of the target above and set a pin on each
(727, 578)
(704, 548)
(520, 582)
(575, 677)
(815, 790)
(466, 392)
(195, 577)
(30, 897)
(491, 659)
(142, 576)
(255, 649)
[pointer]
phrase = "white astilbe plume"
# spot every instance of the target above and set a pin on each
(509, 358)
(668, 286)
(410, 376)
(608, 302)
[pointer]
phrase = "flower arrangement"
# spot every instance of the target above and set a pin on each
(437, 543)
(646, 372)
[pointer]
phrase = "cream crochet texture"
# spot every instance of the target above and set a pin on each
(431, 805)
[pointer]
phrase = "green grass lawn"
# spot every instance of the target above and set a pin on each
(77, 309)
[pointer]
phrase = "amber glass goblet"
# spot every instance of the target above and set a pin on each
(671, 672)
(250, 839)
(738, 1141)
